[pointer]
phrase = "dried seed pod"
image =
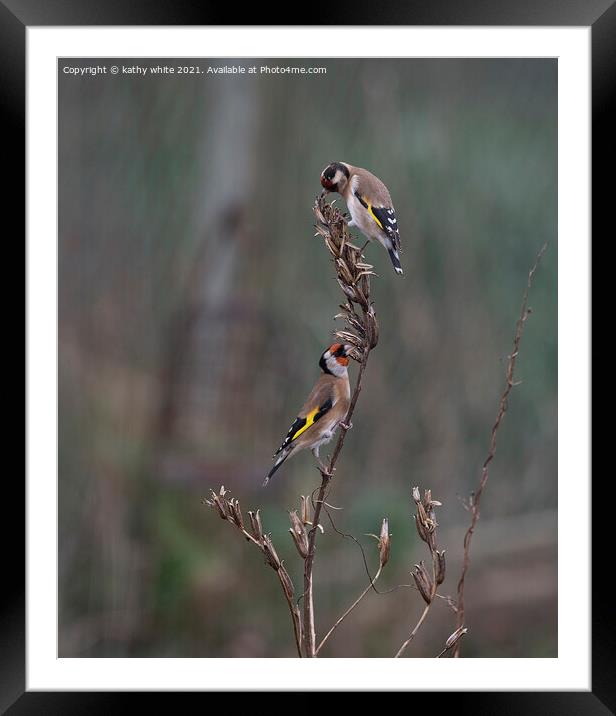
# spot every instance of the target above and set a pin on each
(416, 495)
(423, 535)
(270, 553)
(384, 543)
(257, 527)
(426, 575)
(372, 328)
(347, 337)
(360, 297)
(440, 567)
(455, 637)
(219, 506)
(354, 322)
(427, 525)
(305, 509)
(298, 542)
(421, 588)
(347, 290)
(423, 582)
(299, 534)
(343, 271)
(331, 246)
(422, 515)
(356, 354)
(237, 513)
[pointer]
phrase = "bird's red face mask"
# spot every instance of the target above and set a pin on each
(327, 184)
(335, 359)
(338, 351)
(334, 177)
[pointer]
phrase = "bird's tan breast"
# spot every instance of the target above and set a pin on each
(339, 392)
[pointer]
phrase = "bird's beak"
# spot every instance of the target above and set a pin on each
(323, 193)
(348, 348)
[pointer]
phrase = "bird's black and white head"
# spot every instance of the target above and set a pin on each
(335, 177)
(335, 359)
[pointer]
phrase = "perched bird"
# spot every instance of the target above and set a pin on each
(324, 409)
(369, 204)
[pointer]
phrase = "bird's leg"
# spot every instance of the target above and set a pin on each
(364, 246)
(324, 470)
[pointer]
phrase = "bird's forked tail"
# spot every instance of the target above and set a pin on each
(281, 458)
(395, 259)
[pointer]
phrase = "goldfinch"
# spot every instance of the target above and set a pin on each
(369, 204)
(324, 409)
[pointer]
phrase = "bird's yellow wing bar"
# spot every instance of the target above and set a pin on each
(373, 215)
(310, 419)
(302, 424)
(368, 206)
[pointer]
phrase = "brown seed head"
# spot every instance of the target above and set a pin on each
(423, 581)
(299, 534)
(384, 543)
(270, 553)
(455, 637)
(440, 567)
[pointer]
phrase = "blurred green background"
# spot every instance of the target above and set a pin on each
(194, 303)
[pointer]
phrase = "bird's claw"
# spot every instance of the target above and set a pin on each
(344, 426)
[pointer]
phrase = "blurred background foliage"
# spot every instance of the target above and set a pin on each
(194, 302)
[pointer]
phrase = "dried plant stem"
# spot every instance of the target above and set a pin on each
(362, 332)
(475, 498)
(350, 609)
(353, 276)
(326, 475)
(422, 618)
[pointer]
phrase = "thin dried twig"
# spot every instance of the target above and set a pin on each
(349, 610)
(354, 279)
(384, 542)
(475, 498)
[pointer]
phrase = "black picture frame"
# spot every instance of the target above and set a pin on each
(17, 15)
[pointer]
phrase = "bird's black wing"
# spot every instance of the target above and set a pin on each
(385, 217)
(302, 424)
